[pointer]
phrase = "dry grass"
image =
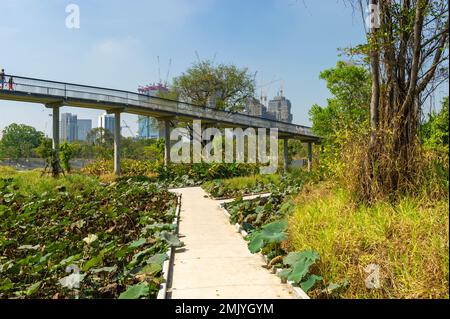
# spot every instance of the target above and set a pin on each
(383, 173)
(409, 240)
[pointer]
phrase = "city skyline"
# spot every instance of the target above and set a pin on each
(282, 39)
(269, 39)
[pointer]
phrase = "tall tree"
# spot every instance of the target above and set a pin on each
(19, 140)
(348, 108)
(408, 50)
(225, 87)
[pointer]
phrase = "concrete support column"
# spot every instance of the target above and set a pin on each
(55, 134)
(166, 142)
(309, 156)
(117, 169)
(285, 153)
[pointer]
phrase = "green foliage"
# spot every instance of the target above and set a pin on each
(19, 140)
(346, 113)
(253, 214)
(349, 106)
(435, 130)
(100, 136)
(111, 232)
(226, 85)
(298, 271)
(129, 167)
(174, 175)
(136, 291)
(44, 150)
(241, 186)
(66, 151)
(273, 233)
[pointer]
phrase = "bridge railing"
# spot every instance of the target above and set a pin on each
(69, 90)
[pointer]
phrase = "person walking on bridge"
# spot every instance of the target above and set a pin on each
(2, 78)
(11, 83)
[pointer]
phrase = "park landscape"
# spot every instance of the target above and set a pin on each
(369, 217)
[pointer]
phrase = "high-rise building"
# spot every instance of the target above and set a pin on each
(83, 128)
(107, 122)
(255, 108)
(68, 127)
(147, 128)
(280, 106)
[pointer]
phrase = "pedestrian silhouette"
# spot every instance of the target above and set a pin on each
(2, 78)
(11, 83)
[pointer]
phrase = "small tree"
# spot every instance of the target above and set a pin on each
(66, 152)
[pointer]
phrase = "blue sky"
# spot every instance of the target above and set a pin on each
(118, 43)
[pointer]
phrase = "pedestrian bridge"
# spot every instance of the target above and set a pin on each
(55, 94)
(111, 100)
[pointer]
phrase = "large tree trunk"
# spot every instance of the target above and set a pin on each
(398, 59)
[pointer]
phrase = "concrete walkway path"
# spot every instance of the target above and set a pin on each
(215, 261)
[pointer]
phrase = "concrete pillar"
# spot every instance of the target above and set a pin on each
(309, 156)
(166, 142)
(285, 153)
(55, 134)
(117, 169)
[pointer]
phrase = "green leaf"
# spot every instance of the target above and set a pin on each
(334, 288)
(157, 259)
(285, 273)
(301, 267)
(294, 257)
(93, 262)
(136, 291)
(270, 233)
(104, 269)
(171, 239)
(151, 269)
(310, 282)
(137, 243)
(33, 288)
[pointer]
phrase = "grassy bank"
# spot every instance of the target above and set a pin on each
(33, 183)
(409, 241)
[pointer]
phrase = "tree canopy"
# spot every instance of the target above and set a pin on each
(19, 140)
(348, 107)
(224, 87)
(435, 129)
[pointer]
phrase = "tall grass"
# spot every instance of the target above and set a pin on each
(33, 183)
(408, 239)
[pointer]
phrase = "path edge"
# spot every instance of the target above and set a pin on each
(299, 292)
(168, 264)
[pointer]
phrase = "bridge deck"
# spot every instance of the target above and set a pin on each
(75, 95)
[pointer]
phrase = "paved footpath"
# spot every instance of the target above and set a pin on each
(215, 261)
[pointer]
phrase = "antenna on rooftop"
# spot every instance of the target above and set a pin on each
(168, 71)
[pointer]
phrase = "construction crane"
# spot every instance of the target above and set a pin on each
(263, 96)
(159, 70)
(168, 72)
(129, 129)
